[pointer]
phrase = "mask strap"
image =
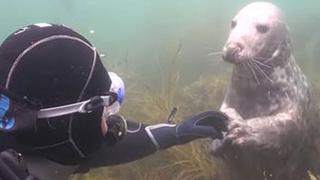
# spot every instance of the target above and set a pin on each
(80, 107)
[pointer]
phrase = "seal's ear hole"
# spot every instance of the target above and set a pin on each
(262, 28)
(233, 24)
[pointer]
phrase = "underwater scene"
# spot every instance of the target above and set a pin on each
(183, 54)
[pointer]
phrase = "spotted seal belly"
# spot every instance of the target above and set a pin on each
(268, 100)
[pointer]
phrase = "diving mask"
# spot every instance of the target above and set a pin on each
(108, 126)
(13, 107)
(117, 87)
(111, 101)
(19, 115)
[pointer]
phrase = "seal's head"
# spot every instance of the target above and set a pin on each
(257, 32)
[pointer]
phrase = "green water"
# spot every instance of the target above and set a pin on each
(139, 36)
(143, 30)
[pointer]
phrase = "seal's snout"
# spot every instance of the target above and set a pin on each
(232, 51)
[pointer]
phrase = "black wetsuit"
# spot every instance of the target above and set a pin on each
(52, 65)
(135, 145)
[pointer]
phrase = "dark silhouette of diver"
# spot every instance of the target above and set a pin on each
(58, 108)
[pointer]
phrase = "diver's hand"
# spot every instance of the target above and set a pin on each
(13, 167)
(202, 125)
(117, 129)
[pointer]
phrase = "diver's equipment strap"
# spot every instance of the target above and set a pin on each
(80, 107)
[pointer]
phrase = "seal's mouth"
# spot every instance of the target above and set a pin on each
(231, 56)
(232, 53)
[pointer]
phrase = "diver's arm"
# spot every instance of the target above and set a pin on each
(142, 140)
(135, 145)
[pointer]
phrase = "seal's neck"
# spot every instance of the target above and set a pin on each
(281, 56)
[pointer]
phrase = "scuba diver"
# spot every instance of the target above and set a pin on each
(59, 109)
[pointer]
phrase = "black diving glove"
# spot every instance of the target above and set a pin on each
(202, 125)
(13, 167)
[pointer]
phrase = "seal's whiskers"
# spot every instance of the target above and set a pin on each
(263, 58)
(215, 53)
(259, 69)
(261, 63)
(250, 66)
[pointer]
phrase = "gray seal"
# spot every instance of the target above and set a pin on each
(268, 101)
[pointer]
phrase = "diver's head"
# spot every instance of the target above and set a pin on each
(58, 69)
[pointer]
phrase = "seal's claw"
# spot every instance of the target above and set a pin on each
(236, 123)
(215, 149)
(245, 141)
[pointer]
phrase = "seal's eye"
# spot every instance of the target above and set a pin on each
(262, 28)
(233, 24)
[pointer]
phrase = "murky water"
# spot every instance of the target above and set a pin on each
(168, 41)
(143, 30)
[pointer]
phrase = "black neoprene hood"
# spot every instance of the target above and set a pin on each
(52, 65)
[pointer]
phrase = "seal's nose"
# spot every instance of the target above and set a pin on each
(231, 52)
